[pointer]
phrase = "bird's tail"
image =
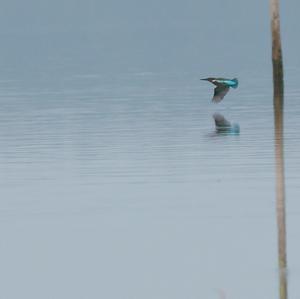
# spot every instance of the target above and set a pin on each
(236, 81)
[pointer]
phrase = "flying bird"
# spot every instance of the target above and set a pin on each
(222, 87)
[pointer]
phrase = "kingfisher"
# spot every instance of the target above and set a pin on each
(222, 87)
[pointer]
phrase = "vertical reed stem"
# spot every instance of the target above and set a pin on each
(278, 101)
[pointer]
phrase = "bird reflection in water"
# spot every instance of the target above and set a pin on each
(223, 126)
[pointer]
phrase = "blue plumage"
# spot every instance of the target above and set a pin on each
(222, 87)
(234, 83)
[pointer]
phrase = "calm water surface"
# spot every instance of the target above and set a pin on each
(116, 185)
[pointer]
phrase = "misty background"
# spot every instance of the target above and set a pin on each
(123, 35)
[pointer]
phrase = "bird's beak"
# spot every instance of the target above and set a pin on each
(205, 79)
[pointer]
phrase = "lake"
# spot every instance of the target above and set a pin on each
(114, 181)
